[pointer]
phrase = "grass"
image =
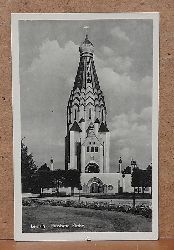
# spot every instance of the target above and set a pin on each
(93, 221)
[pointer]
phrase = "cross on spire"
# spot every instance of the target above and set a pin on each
(86, 28)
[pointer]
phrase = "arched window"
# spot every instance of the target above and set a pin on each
(93, 168)
(88, 149)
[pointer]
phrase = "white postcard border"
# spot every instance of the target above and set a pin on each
(82, 236)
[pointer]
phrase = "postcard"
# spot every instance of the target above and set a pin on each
(85, 126)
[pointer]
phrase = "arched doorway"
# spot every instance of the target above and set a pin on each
(95, 185)
(94, 188)
(92, 167)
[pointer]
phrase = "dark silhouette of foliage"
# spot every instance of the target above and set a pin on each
(44, 167)
(141, 178)
(72, 179)
(28, 168)
(149, 177)
(136, 177)
(43, 178)
(58, 178)
(127, 170)
(135, 181)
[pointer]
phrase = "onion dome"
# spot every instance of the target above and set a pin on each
(86, 48)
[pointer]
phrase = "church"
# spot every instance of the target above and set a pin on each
(87, 142)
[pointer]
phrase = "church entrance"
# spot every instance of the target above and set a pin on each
(96, 185)
(96, 188)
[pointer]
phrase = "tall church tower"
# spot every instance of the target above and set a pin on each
(88, 139)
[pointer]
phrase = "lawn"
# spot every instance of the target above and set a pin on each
(69, 219)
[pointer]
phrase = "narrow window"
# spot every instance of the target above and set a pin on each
(75, 115)
(88, 149)
(92, 149)
(89, 113)
(102, 114)
(96, 149)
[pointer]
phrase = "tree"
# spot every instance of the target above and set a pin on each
(58, 177)
(44, 167)
(72, 179)
(136, 178)
(149, 177)
(28, 168)
(127, 170)
(143, 179)
(43, 178)
(135, 181)
(146, 178)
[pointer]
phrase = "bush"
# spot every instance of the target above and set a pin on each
(142, 209)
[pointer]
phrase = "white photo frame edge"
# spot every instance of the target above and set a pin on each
(82, 236)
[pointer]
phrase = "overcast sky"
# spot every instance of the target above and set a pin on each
(49, 59)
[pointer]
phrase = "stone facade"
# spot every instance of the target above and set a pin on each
(88, 139)
(87, 142)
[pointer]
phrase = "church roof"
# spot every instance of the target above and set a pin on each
(97, 121)
(86, 89)
(86, 93)
(103, 128)
(75, 127)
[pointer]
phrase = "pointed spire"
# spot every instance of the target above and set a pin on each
(120, 165)
(86, 28)
(75, 127)
(86, 41)
(86, 93)
(103, 128)
(120, 160)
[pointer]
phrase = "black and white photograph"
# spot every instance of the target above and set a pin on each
(85, 126)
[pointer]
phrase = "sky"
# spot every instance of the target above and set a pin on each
(123, 56)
